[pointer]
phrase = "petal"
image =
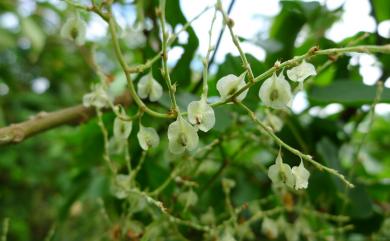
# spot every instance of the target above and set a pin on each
(191, 135)
(122, 129)
(225, 85)
(301, 176)
(143, 87)
(156, 91)
(147, 137)
(280, 88)
(301, 72)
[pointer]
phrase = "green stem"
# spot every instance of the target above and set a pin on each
(130, 84)
(308, 158)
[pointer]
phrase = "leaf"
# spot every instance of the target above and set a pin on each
(34, 33)
(349, 93)
(181, 73)
(381, 8)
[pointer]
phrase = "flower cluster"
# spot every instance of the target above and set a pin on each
(281, 174)
(98, 98)
(275, 92)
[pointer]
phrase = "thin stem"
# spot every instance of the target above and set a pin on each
(165, 70)
(122, 62)
(106, 154)
(4, 232)
(133, 175)
(229, 23)
(311, 53)
(206, 59)
(308, 158)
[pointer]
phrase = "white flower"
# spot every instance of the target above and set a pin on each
(182, 135)
(269, 228)
(274, 122)
(275, 92)
(280, 173)
(189, 198)
(74, 29)
(135, 36)
(148, 87)
(97, 98)
(120, 186)
(301, 176)
(230, 84)
(147, 137)
(201, 115)
(301, 72)
(122, 128)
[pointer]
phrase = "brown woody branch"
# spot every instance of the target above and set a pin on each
(43, 121)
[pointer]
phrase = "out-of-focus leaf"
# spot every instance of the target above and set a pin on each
(182, 72)
(6, 40)
(382, 11)
(34, 33)
(350, 93)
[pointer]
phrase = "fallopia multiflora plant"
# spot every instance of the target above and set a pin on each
(278, 85)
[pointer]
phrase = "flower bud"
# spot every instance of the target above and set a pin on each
(280, 173)
(122, 129)
(97, 98)
(74, 29)
(148, 87)
(301, 72)
(275, 92)
(147, 137)
(301, 176)
(230, 84)
(201, 115)
(182, 135)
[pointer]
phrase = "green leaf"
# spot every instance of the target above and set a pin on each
(381, 8)
(349, 93)
(34, 33)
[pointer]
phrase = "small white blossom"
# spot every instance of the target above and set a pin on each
(301, 176)
(148, 87)
(274, 122)
(74, 29)
(97, 98)
(182, 135)
(187, 199)
(301, 72)
(230, 84)
(201, 115)
(275, 92)
(135, 36)
(280, 173)
(122, 129)
(269, 228)
(120, 186)
(147, 137)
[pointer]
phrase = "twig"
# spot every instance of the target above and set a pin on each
(293, 150)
